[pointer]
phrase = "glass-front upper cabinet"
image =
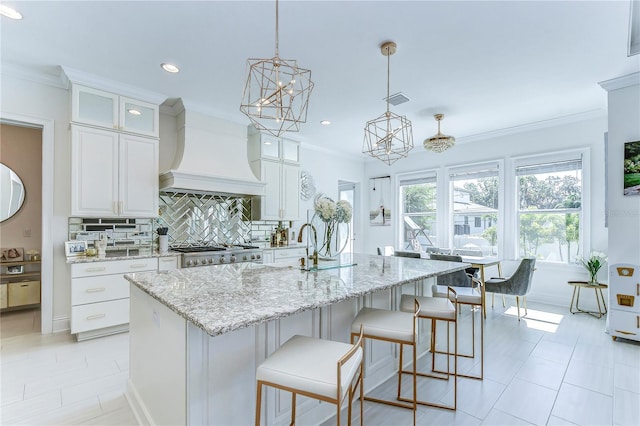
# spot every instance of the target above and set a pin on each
(138, 117)
(270, 146)
(290, 150)
(111, 111)
(96, 107)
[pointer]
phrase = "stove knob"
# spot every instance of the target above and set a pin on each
(203, 261)
(188, 263)
(232, 259)
(258, 256)
(221, 259)
(253, 257)
(210, 260)
(244, 258)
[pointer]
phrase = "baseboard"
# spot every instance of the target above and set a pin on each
(92, 334)
(137, 406)
(61, 324)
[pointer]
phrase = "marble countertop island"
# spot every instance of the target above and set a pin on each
(224, 298)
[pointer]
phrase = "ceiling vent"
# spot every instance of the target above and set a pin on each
(397, 99)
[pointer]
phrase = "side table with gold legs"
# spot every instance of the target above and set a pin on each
(577, 285)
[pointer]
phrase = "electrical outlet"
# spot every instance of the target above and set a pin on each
(26, 232)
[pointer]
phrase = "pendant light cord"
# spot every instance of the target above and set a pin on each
(388, 74)
(276, 28)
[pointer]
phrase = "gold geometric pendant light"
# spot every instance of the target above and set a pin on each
(276, 93)
(439, 142)
(388, 137)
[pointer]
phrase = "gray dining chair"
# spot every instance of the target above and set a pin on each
(455, 279)
(413, 254)
(518, 284)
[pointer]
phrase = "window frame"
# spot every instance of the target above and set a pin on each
(582, 154)
(430, 175)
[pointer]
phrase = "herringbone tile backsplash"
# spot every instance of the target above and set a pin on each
(201, 219)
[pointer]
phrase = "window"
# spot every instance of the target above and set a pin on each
(418, 198)
(474, 207)
(550, 210)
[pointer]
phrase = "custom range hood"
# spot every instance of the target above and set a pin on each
(211, 156)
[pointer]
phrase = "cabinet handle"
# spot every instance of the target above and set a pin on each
(98, 316)
(166, 259)
(638, 289)
(138, 265)
(120, 207)
(625, 332)
(24, 285)
(95, 290)
(115, 207)
(96, 269)
(637, 321)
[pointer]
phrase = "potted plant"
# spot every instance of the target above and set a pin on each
(593, 264)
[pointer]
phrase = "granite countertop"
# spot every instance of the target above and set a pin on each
(90, 259)
(224, 298)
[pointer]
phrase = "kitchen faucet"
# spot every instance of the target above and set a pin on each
(315, 235)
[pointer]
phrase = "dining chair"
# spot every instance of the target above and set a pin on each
(518, 284)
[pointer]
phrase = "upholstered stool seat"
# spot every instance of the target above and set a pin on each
(316, 368)
(467, 296)
(390, 326)
(384, 324)
(437, 309)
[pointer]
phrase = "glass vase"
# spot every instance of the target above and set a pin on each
(332, 237)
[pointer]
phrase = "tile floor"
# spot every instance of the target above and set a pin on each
(553, 368)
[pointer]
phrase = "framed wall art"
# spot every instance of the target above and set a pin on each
(75, 248)
(13, 254)
(380, 201)
(632, 168)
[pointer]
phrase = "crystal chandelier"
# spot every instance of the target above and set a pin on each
(276, 93)
(388, 137)
(439, 142)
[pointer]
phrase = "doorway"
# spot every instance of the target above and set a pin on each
(46, 130)
(347, 192)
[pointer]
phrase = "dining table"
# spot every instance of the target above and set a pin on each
(479, 262)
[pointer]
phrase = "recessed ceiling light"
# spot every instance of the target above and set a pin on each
(325, 122)
(267, 142)
(134, 111)
(9, 12)
(170, 68)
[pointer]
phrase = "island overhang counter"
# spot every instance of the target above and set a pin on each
(198, 334)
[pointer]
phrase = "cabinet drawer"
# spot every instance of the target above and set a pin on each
(128, 266)
(23, 293)
(99, 315)
(167, 263)
(3, 296)
(295, 253)
(98, 289)
(624, 324)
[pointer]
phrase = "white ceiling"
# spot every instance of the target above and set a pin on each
(486, 65)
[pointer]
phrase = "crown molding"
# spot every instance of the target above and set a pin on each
(628, 80)
(538, 125)
(316, 148)
(91, 80)
(30, 73)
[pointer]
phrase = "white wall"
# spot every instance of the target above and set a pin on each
(327, 168)
(623, 211)
(549, 280)
(42, 101)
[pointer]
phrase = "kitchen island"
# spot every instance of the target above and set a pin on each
(197, 335)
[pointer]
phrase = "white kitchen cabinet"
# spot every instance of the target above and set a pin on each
(100, 295)
(284, 254)
(113, 174)
(168, 263)
(3, 296)
(624, 301)
(276, 162)
(282, 191)
(112, 111)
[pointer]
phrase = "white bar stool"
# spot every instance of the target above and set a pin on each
(390, 326)
(466, 296)
(437, 309)
(320, 369)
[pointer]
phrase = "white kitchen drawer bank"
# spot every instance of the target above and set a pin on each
(624, 301)
(100, 295)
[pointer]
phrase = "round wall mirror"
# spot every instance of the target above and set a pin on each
(12, 192)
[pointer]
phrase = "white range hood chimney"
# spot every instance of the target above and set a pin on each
(211, 156)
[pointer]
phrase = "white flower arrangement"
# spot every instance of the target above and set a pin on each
(331, 213)
(593, 264)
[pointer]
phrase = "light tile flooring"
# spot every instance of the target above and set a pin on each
(553, 368)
